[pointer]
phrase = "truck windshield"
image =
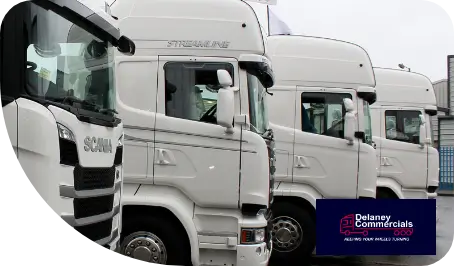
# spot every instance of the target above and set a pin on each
(368, 123)
(66, 64)
(257, 105)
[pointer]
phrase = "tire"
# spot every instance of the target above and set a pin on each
(163, 232)
(285, 211)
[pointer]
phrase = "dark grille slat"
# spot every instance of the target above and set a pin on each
(93, 178)
(87, 207)
(68, 152)
(96, 231)
(119, 156)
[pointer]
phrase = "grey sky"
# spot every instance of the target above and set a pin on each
(418, 33)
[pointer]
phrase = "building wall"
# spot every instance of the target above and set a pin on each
(451, 80)
(441, 93)
(447, 129)
(434, 124)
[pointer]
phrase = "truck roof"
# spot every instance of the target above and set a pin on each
(315, 61)
(190, 27)
(403, 88)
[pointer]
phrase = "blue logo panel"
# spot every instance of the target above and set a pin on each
(376, 227)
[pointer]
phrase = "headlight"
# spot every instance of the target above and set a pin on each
(65, 133)
(253, 236)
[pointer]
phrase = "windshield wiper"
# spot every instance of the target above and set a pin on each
(108, 111)
(71, 100)
(268, 134)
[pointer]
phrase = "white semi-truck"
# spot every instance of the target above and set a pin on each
(402, 130)
(320, 117)
(198, 150)
(58, 100)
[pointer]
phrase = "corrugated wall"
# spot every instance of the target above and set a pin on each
(447, 132)
(434, 121)
(441, 93)
(451, 81)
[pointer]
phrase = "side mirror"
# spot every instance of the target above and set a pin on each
(422, 119)
(422, 135)
(126, 46)
(422, 132)
(225, 103)
(349, 127)
(224, 78)
(349, 121)
(349, 105)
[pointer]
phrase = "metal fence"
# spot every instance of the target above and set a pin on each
(446, 168)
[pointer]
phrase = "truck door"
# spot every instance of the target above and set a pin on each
(402, 158)
(137, 85)
(323, 159)
(192, 152)
(10, 81)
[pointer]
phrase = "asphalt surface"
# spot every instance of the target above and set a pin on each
(445, 233)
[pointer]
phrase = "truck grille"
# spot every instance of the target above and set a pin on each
(268, 229)
(68, 153)
(87, 207)
(96, 231)
(93, 178)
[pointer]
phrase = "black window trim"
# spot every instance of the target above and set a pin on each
(324, 94)
(165, 65)
(399, 122)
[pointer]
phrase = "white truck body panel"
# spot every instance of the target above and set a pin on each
(313, 166)
(187, 167)
(406, 168)
(308, 64)
(79, 172)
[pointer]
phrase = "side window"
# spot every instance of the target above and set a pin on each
(192, 90)
(323, 113)
(402, 125)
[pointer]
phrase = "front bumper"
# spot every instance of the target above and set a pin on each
(253, 255)
(258, 254)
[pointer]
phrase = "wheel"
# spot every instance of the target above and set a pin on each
(154, 240)
(347, 233)
(293, 232)
(365, 233)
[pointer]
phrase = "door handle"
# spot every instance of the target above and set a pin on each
(385, 161)
(301, 162)
(164, 157)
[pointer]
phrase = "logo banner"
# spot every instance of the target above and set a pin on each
(376, 227)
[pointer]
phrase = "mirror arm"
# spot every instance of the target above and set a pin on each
(270, 93)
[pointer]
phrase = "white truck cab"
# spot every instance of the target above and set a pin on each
(58, 100)
(320, 117)
(402, 130)
(198, 149)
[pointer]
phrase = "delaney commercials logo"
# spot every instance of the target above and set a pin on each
(363, 227)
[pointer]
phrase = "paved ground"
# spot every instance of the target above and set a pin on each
(445, 233)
